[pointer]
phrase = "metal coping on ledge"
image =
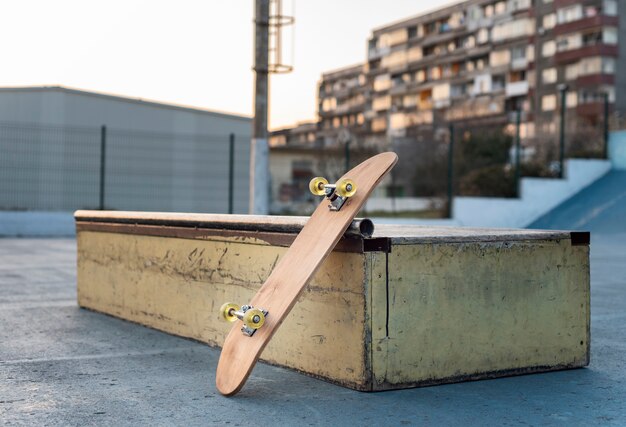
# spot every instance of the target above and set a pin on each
(360, 227)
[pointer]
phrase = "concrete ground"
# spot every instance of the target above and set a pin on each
(61, 365)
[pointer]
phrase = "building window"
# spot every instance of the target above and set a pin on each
(412, 32)
(518, 52)
(379, 124)
(497, 82)
(512, 29)
(409, 100)
(596, 95)
(549, 75)
(609, 35)
(382, 103)
(549, 21)
(395, 59)
(483, 36)
(609, 7)
(571, 71)
(569, 42)
(500, 57)
(382, 82)
(393, 38)
(420, 76)
(415, 53)
(548, 103)
(548, 48)
(569, 14)
(329, 104)
(500, 8)
(571, 99)
(596, 65)
(441, 92)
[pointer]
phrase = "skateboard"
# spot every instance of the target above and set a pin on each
(257, 321)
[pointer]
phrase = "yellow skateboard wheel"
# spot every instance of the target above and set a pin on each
(228, 311)
(254, 318)
(346, 188)
(316, 185)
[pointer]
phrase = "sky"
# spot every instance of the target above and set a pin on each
(191, 52)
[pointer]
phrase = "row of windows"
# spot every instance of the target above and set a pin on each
(583, 96)
(384, 82)
(578, 11)
(608, 35)
(348, 120)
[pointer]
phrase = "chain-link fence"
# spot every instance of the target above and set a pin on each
(66, 168)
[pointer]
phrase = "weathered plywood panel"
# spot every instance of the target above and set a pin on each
(473, 310)
(177, 285)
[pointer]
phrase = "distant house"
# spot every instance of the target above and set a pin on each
(156, 156)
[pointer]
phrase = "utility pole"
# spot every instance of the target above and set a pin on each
(259, 150)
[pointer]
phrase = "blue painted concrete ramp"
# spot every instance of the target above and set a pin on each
(600, 208)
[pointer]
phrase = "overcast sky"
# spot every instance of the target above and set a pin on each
(191, 52)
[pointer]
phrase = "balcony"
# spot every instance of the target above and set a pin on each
(592, 109)
(377, 52)
(586, 51)
(597, 21)
(595, 80)
(564, 3)
(441, 103)
(516, 89)
(475, 107)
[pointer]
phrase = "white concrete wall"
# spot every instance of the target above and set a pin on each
(617, 149)
(538, 196)
(400, 204)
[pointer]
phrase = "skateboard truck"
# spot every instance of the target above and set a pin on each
(337, 193)
(253, 318)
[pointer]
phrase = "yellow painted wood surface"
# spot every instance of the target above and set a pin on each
(472, 310)
(177, 286)
(428, 312)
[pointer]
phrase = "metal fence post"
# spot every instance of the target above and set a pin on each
(563, 89)
(518, 119)
(606, 126)
(450, 172)
(103, 144)
(231, 171)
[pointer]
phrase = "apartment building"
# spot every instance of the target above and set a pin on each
(476, 63)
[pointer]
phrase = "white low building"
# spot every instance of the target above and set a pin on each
(156, 156)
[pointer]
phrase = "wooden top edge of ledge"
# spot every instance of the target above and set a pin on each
(399, 234)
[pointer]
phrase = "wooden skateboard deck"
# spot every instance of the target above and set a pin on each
(281, 289)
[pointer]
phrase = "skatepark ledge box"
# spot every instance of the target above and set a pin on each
(410, 306)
